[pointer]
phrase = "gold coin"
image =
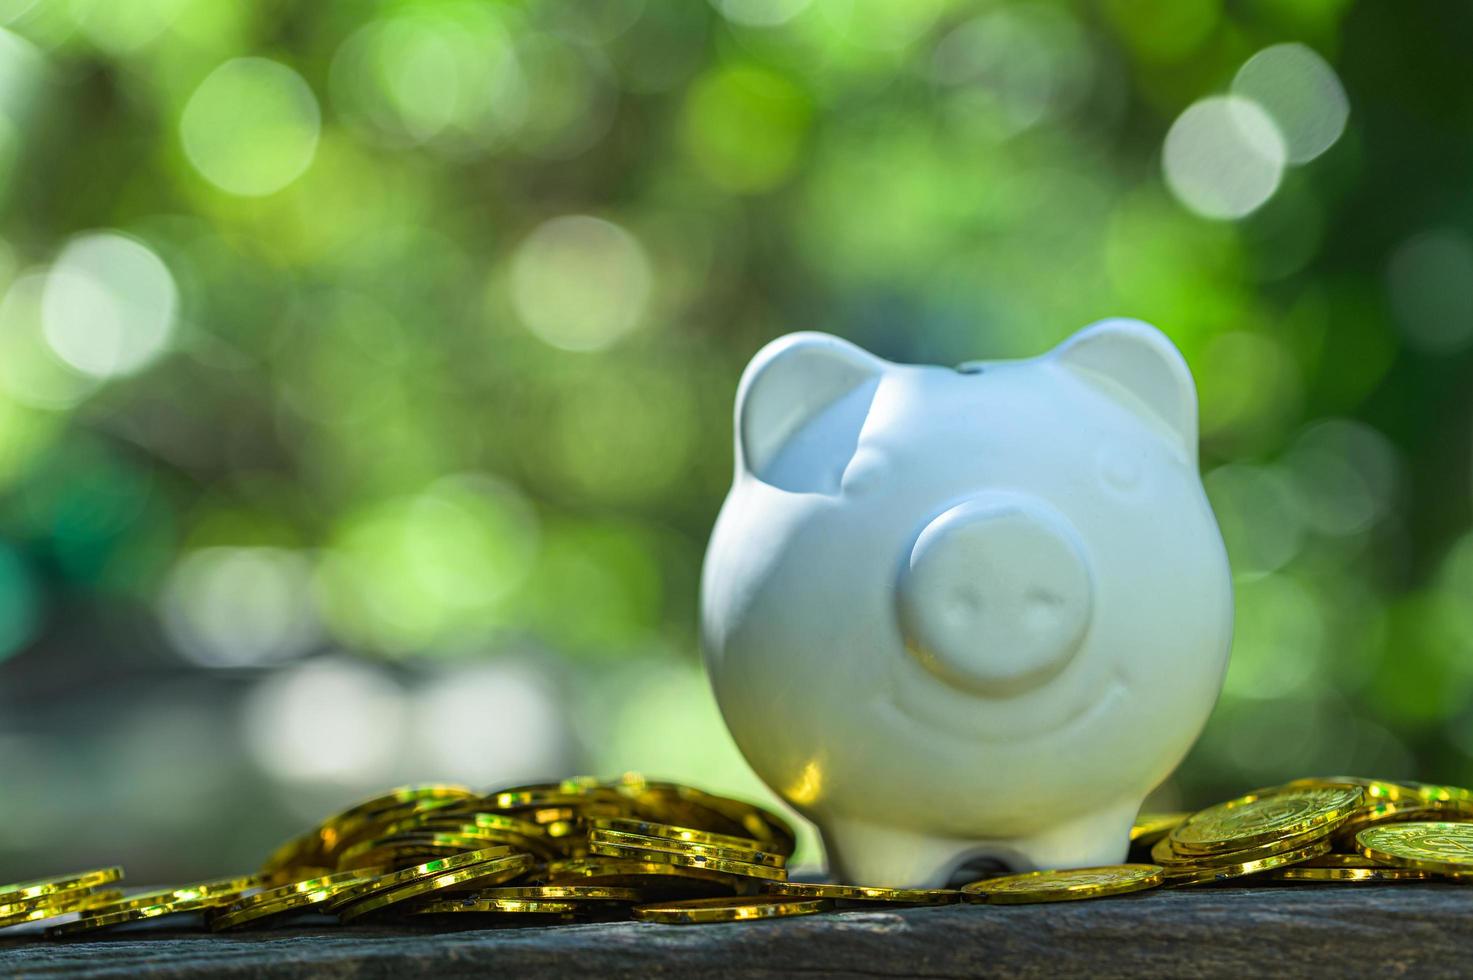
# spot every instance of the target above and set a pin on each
(1301, 873)
(222, 890)
(1165, 855)
(257, 909)
(332, 882)
(22, 890)
(748, 854)
(862, 893)
(706, 910)
(562, 893)
(1064, 885)
(1375, 789)
(1442, 847)
(364, 819)
(518, 906)
(1194, 875)
(425, 870)
(650, 828)
(44, 901)
(1337, 860)
(402, 795)
(574, 793)
(1151, 827)
(1453, 797)
(296, 852)
(412, 848)
(638, 874)
(501, 868)
(1253, 820)
(742, 868)
(103, 919)
(669, 800)
(1388, 811)
(62, 903)
(488, 820)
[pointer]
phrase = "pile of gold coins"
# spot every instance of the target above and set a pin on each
(1332, 830)
(585, 850)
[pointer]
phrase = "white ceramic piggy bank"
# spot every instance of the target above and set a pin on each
(962, 613)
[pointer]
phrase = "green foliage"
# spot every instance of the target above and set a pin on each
(455, 295)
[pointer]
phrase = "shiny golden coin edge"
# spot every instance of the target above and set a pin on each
(1349, 874)
(646, 842)
(1200, 876)
(223, 890)
(1150, 827)
(562, 893)
(1172, 860)
(1052, 885)
(381, 900)
(108, 920)
(21, 891)
(862, 893)
(503, 906)
(46, 901)
(699, 862)
(666, 831)
(1371, 844)
(241, 914)
(580, 869)
(335, 880)
(428, 869)
(1217, 819)
(701, 911)
(78, 903)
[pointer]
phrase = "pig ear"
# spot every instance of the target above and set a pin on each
(789, 384)
(1139, 367)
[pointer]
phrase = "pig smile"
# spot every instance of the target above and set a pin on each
(974, 720)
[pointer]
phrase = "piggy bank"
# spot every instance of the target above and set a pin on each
(967, 613)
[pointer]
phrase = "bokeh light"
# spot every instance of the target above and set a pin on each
(30, 371)
(240, 607)
(1301, 94)
(251, 127)
(498, 723)
(1223, 157)
(329, 720)
(1430, 281)
(1014, 68)
(580, 283)
(745, 127)
(414, 572)
(447, 74)
(109, 303)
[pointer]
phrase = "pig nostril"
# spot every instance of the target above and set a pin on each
(1041, 610)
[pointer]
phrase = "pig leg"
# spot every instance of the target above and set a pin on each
(867, 854)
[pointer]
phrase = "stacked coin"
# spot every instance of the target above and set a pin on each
(186, 901)
(1330, 830)
(50, 898)
(586, 849)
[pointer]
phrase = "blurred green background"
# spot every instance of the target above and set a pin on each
(366, 368)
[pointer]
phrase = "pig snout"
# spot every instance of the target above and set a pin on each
(995, 595)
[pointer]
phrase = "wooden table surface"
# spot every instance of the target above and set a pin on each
(1311, 931)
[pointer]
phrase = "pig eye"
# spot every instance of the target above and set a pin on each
(1120, 470)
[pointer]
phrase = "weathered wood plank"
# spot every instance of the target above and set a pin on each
(1318, 931)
